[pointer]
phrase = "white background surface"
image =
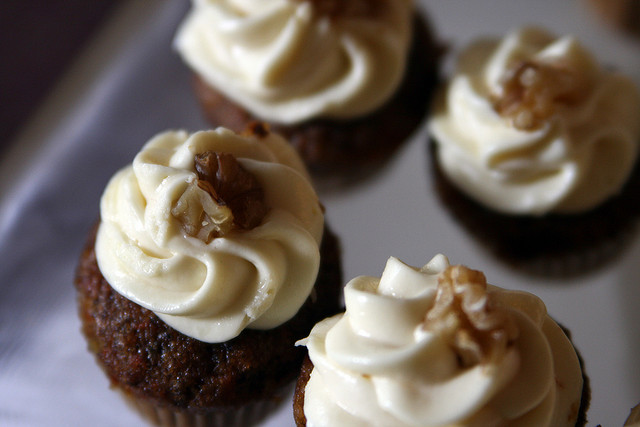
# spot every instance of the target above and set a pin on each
(128, 86)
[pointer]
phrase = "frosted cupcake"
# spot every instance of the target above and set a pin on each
(439, 346)
(210, 260)
(536, 147)
(346, 82)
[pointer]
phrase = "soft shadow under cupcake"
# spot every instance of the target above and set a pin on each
(552, 245)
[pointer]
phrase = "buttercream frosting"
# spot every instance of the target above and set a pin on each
(532, 124)
(210, 287)
(438, 346)
(287, 61)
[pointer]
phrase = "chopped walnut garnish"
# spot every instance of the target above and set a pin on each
(232, 185)
(533, 92)
(232, 198)
(351, 8)
(463, 313)
(200, 216)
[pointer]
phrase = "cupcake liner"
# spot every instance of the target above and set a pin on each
(162, 416)
(553, 245)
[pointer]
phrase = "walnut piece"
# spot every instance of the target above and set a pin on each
(463, 313)
(200, 216)
(231, 185)
(226, 197)
(533, 92)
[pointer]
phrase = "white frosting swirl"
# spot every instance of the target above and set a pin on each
(379, 365)
(580, 154)
(285, 62)
(255, 278)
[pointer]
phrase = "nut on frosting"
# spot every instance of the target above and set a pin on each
(213, 231)
(532, 124)
(463, 315)
(287, 61)
(438, 346)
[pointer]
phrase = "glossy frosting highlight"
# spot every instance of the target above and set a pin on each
(286, 61)
(210, 289)
(438, 346)
(532, 124)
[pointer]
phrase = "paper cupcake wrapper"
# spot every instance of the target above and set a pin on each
(247, 415)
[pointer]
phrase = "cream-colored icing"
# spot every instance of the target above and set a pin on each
(382, 363)
(285, 62)
(255, 278)
(569, 161)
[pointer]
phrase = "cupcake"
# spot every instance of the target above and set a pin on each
(346, 82)
(535, 150)
(210, 260)
(439, 346)
(633, 420)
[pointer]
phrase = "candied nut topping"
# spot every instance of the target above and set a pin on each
(231, 185)
(232, 198)
(533, 92)
(347, 8)
(200, 216)
(464, 314)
